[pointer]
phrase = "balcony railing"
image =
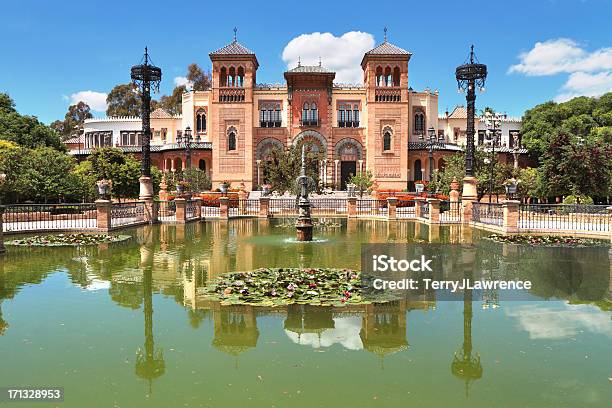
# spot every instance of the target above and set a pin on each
(230, 95)
(388, 95)
(269, 124)
(348, 124)
(310, 122)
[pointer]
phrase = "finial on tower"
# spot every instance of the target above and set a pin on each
(385, 34)
(235, 33)
(472, 54)
(319, 60)
(299, 61)
(146, 55)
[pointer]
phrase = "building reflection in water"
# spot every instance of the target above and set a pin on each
(235, 329)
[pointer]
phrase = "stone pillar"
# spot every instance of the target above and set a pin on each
(2, 248)
(417, 207)
(103, 214)
(336, 175)
(391, 207)
(351, 207)
(198, 207)
(163, 192)
(434, 210)
(242, 196)
(470, 194)
(258, 173)
(264, 207)
(181, 210)
(146, 188)
(151, 210)
(224, 208)
(511, 215)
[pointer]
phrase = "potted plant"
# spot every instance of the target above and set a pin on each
(350, 188)
(224, 186)
(182, 187)
(511, 187)
(104, 188)
(266, 189)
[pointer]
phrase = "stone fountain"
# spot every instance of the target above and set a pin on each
(304, 222)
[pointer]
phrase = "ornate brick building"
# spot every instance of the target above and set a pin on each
(378, 125)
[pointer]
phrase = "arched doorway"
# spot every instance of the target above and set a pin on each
(202, 164)
(316, 146)
(348, 151)
(263, 153)
(418, 170)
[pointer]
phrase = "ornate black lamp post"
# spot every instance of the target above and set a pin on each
(493, 124)
(185, 141)
(469, 76)
(430, 143)
(143, 76)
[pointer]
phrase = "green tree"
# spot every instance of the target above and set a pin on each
(198, 180)
(112, 164)
(199, 79)
(362, 181)
(173, 104)
(25, 130)
(284, 166)
(50, 176)
(73, 122)
(123, 100)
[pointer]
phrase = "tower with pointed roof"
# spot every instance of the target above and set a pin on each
(234, 73)
(385, 71)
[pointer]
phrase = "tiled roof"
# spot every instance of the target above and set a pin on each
(460, 112)
(233, 48)
(154, 148)
(75, 139)
(316, 69)
(160, 113)
(386, 48)
(437, 146)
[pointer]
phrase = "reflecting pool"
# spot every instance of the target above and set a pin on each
(123, 325)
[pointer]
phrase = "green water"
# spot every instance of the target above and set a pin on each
(122, 325)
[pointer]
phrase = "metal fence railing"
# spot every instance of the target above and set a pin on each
(167, 211)
(127, 213)
(404, 209)
(32, 217)
(283, 206)
(328, 206)
(575, 217)
(372, 207)
(488, 213)
(240, 207)
(190, 210)
(450, 211)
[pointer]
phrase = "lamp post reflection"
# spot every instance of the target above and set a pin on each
(149, 362)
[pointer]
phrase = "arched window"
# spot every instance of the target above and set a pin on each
(419, 123)
(202, 165)
(231, 80)
(388, 78)
(396, 76)
(231, 138)
(178, 164)
(306, 112)
(223, 77)
(418, 171)
(387, 133)
(240, 81)
(379, 76)
(201, 121)
(313, 112)
(355, 115)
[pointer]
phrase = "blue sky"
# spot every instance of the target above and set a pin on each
(53, 50)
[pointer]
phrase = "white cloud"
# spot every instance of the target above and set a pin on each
(345, 332)
(590, 72)
(543, 322)
(181, 80)
(95, 100)
(585, 84)
(340, 54)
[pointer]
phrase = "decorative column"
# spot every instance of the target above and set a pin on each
(264, 207)
(391, 207)
(258, 173)
(511, 210)
(198, 207)
(351, 208)
(224, 208)
(181, 210)
(360, 169)
(434, 210)
(336, 175)
(103, 214)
